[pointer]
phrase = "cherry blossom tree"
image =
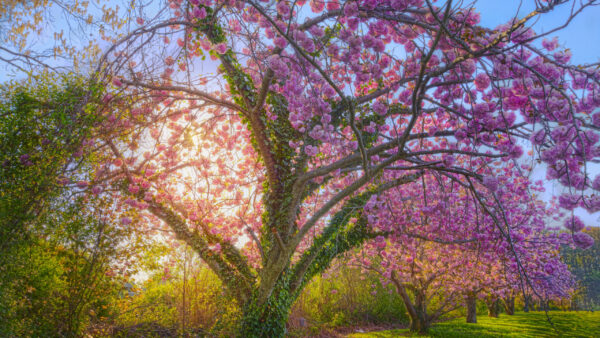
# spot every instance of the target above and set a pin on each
(442, 243)
(258, 131)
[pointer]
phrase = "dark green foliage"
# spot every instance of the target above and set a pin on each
(268, 319)
(41, 126)
(30, 277)
(585, 265)
(54, 251)
(56, 283)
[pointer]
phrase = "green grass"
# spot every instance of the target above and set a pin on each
(532, 324)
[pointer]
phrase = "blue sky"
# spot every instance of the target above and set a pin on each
(582, 35)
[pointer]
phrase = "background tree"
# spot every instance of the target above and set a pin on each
(58, 248)
(58, 36)
(66, 276)
(443, 244)
(43, 128)
(585, 266)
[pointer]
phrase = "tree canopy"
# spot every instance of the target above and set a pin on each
(270, 135)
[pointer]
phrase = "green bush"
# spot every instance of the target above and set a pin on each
(346, 297)
(183, 303)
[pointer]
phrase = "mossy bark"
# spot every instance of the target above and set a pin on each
(266, 319)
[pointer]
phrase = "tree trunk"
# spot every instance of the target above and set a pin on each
(509, 305)
(419, 321)
(471, 308)
(493, 306)
(265, 320)
(526, 306)
(417, 311)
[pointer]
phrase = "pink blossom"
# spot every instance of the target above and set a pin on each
(317, 6)
(117, 82)
(380, 242)
(482, 81)
(280, 42)
(283, 9)
(574, 224)
(134, 188)
(583, 240)
(550, 45)
(199, 13)
(351, 9)
(568, 201)
(490, 182)
(278, 66)
(563, 56)
(107, 98)
(332, 5)
(398, 4)
(24, 158)
(311, 150)
(591, 203)
(221, 48)
(380, 108)
(596, 119)
(538, 137)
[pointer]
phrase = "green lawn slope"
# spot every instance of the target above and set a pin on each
(532, 324)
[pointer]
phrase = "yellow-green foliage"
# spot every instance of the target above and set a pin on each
(153, 303)
(345, 297)
(532, 324)
(166, 300)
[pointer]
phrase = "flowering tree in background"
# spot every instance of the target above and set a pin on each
(444, 244)
(258, 131)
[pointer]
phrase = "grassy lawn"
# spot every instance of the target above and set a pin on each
(533, 324)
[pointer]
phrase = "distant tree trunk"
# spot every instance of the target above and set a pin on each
(493, 306)
(417, 310)
(509, 305)
(471, 308)
(183, 293)
(526, 306)
(420, 322)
